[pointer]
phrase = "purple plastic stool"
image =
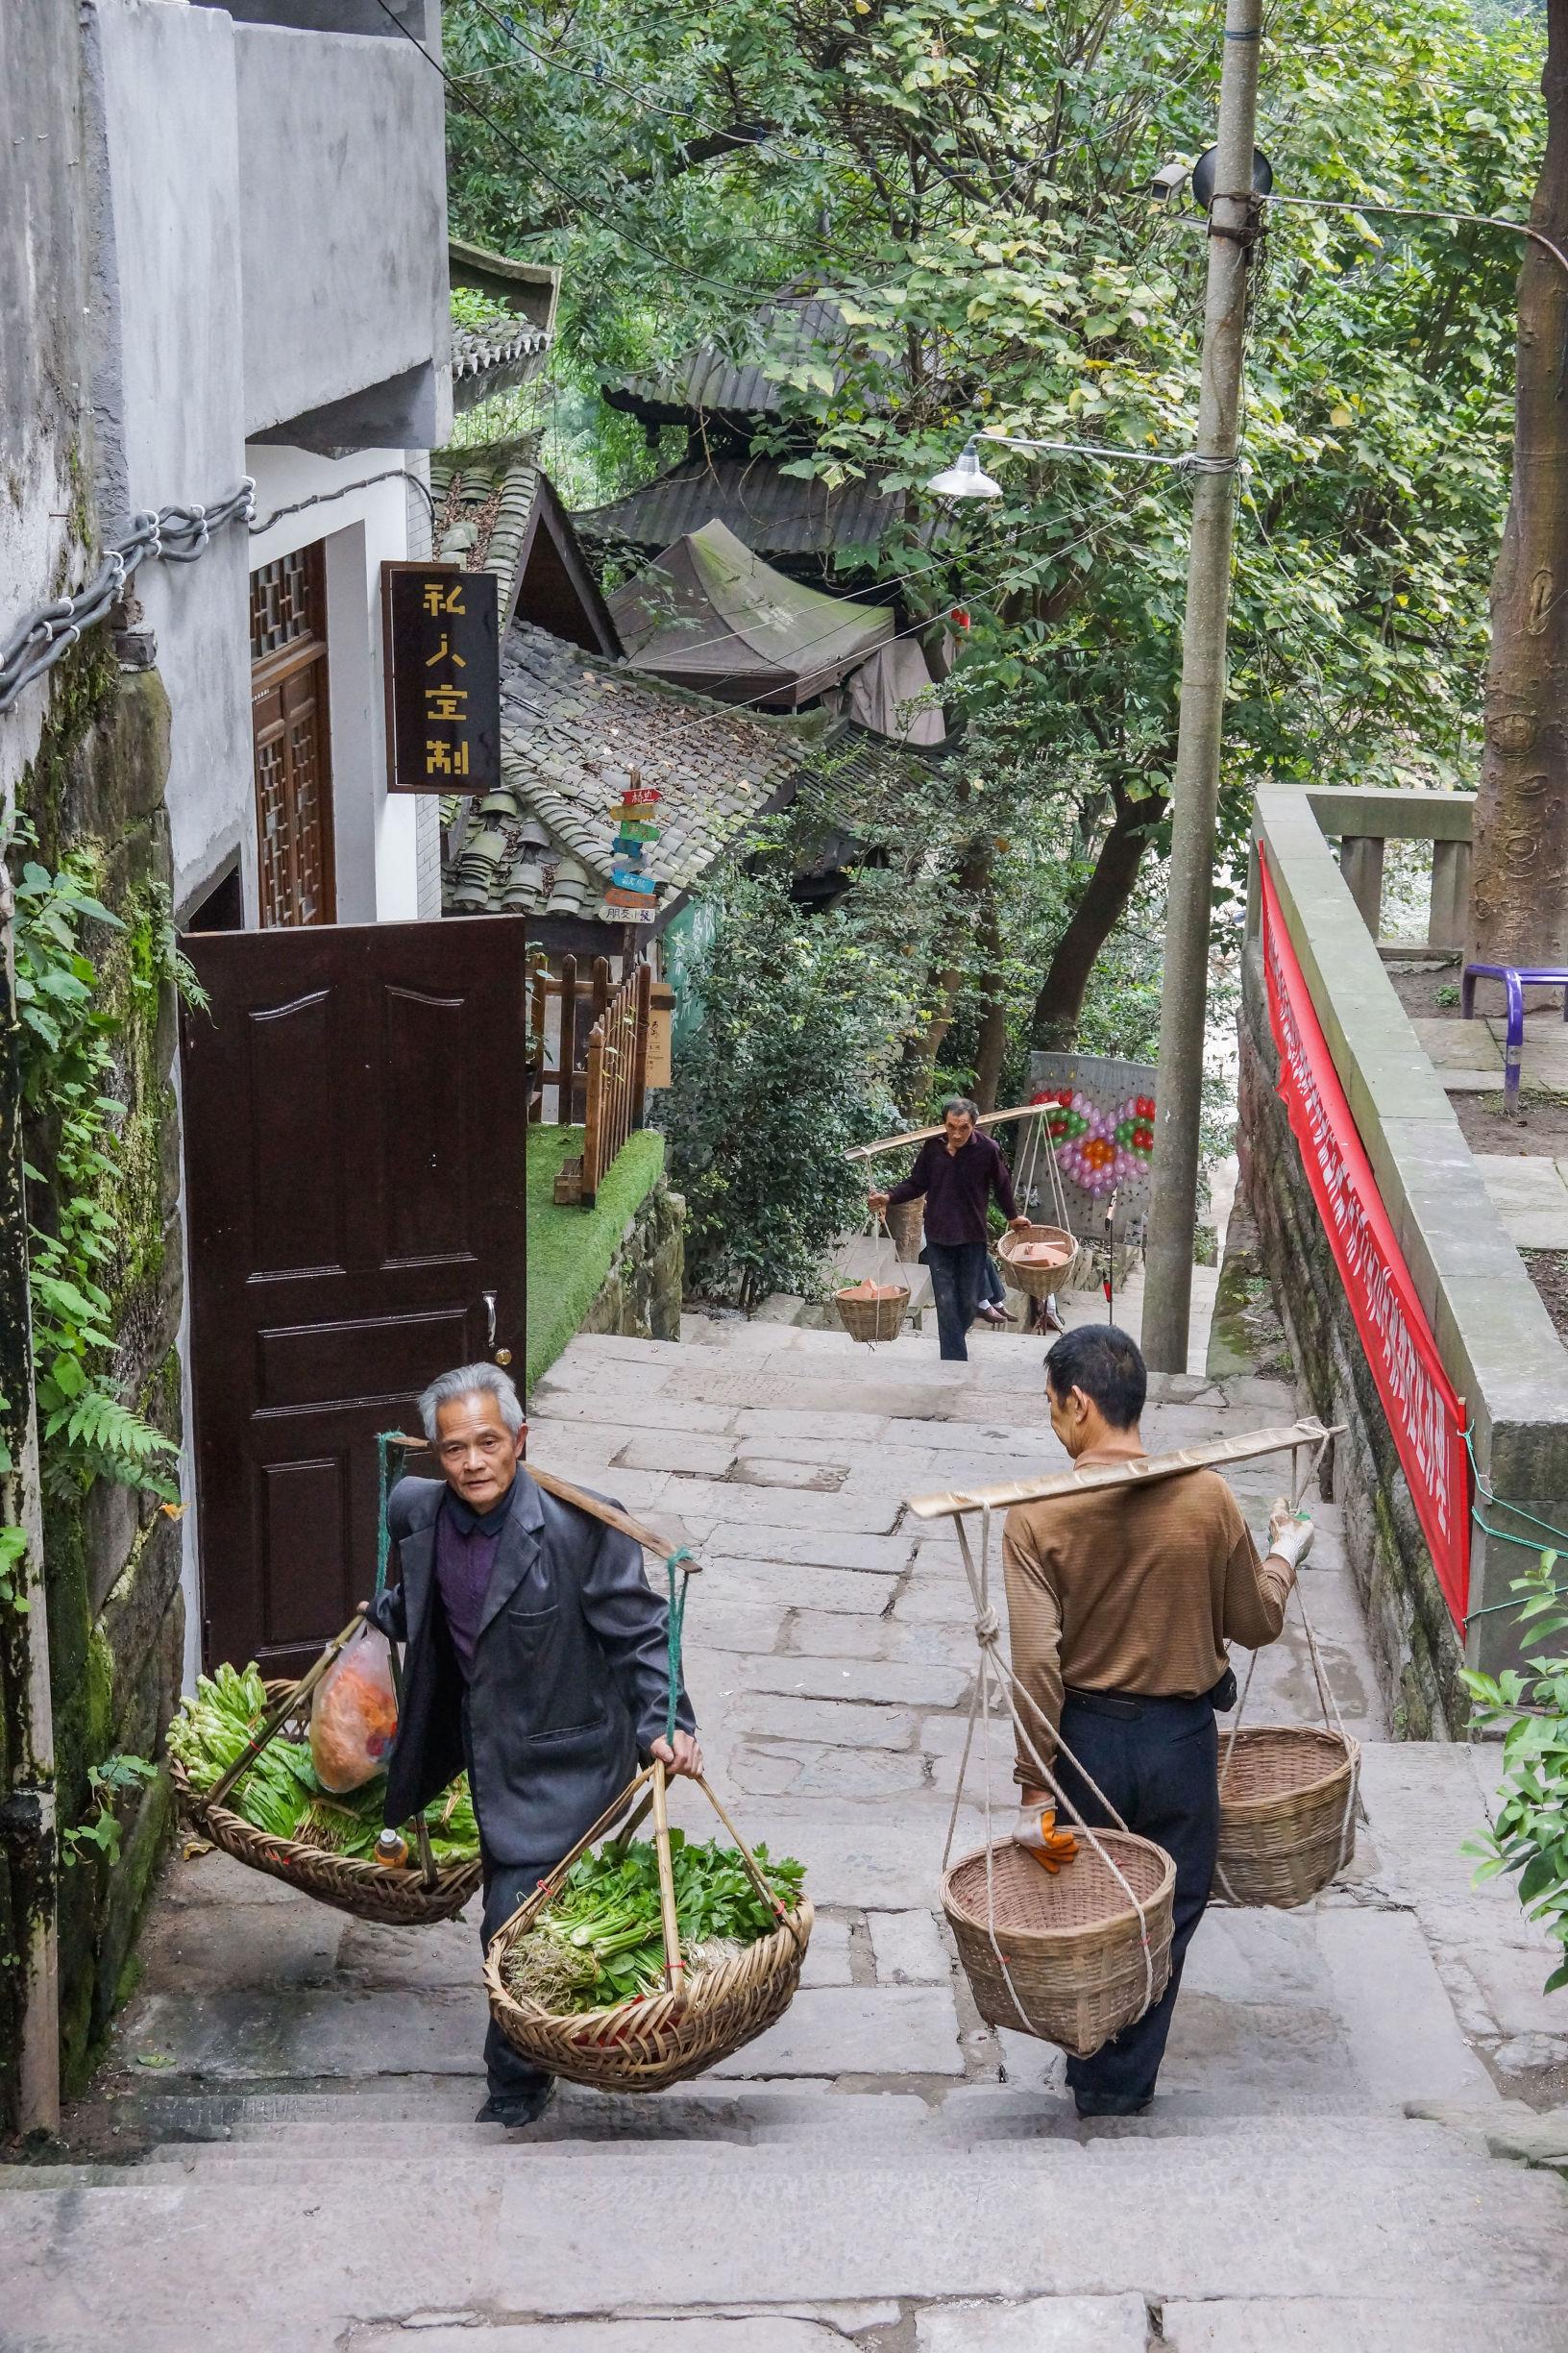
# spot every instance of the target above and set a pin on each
(1516, 978)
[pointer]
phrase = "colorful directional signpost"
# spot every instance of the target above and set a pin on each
(633, 895)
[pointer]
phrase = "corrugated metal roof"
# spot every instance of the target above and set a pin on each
(776, 514)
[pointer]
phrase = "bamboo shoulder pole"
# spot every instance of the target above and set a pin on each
(952, 1503)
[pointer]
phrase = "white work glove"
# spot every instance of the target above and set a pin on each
(1289, 1533)
(1035, 1831)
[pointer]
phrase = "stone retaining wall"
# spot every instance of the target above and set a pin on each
(1412, 1635)
(639, 1297)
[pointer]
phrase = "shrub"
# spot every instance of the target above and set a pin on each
(789, 1067)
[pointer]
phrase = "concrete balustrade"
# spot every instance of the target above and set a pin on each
(1496, 1340)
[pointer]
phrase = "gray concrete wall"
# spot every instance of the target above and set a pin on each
(343, 254)
(45, 459)
(168, 385)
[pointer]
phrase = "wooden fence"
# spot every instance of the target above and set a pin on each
(582, 997)
(617, 1078)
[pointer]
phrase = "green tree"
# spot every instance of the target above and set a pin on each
(788, 1068)
(964, 178)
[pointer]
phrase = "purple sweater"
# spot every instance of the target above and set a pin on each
(957, 1185)
(465, 1553)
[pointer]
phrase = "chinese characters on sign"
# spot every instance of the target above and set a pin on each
(1424, 1412)
(633, 895)
(443, 678)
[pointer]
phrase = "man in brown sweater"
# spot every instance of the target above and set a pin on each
(1120, 1602)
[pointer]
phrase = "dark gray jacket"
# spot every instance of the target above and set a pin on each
(570, 1673)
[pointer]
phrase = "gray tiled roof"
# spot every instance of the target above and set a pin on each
(475, 351)
(573, 727)
(775, 514)
(485, 498)
(712, 381)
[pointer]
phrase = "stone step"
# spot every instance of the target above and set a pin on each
(552, 2234)
(855, 2120)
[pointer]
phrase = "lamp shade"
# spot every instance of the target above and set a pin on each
(966, 479)
(1203, 176)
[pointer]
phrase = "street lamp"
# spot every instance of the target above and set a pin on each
(966, 479)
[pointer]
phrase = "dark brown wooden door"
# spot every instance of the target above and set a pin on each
(292, 739)
(354, 1129)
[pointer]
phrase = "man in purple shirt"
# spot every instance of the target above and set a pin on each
(957, 1172)
(537, 1658)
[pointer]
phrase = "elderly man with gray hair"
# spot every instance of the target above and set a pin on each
(535, 1658)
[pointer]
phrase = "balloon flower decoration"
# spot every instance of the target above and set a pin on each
(1098, 1149)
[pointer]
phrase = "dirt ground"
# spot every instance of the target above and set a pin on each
(1541, 1124)
(1548, 1270)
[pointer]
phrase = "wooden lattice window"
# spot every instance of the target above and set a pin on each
(291, 737)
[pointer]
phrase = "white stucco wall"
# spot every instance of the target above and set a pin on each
(375, 834)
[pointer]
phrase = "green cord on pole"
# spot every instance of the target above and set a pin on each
(677, 1621)
(385, 1440)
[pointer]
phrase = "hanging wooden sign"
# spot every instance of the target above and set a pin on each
(442, 651)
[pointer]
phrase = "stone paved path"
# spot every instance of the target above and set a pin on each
(880, 2171)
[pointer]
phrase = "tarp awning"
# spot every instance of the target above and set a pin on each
(710, 615)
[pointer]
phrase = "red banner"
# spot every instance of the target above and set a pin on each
(1424, 1414)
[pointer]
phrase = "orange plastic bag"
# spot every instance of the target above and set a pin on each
(354, 1714)
(865, 1289)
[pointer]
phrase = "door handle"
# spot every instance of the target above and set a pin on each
(489, 1298)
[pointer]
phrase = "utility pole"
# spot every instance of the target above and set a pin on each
(1168, 1294)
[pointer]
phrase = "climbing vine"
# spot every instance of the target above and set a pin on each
(68, 1033)
(1528, 1834)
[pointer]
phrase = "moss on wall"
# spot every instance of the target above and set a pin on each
(111, 1556)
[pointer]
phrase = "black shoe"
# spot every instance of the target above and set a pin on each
(516, 2109)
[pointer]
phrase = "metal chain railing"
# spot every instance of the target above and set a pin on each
(175, 534)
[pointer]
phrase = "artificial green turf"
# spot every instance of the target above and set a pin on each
(571, 1250)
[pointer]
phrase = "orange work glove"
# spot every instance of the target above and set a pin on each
(1037, 1833)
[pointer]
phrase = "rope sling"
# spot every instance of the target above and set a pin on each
(987, 1628)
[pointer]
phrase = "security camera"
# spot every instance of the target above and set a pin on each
(1167, 180)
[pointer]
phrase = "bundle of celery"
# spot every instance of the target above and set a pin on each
(279, 1792)
(601, 1941)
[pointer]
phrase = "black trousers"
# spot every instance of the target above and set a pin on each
(1157, 1760)
(508, 2072)
(958, 1276)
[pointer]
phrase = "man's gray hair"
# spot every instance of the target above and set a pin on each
(472, 1381)
(962, 1103)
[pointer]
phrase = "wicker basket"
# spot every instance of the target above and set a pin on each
(645, 2045)
(655, 2039)
(368, 1889)
(1039, 1281)
(1072, 1944)
(1286, 1812)
(873, 1319)
(905, 1222)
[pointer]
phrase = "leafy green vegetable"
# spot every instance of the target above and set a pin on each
(279, 1792)
(601, 1942)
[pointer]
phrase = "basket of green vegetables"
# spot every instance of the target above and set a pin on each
(640, 1963)
(242, 1774)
